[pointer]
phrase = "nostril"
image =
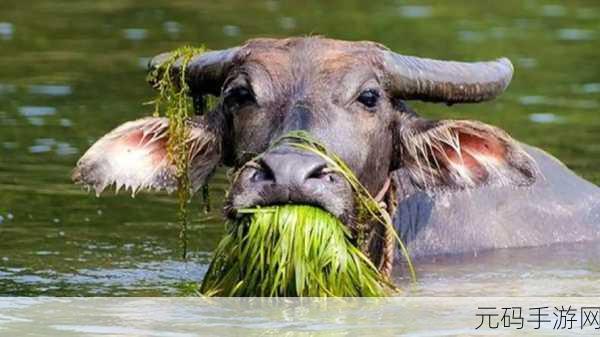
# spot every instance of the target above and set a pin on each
(262, 172)
(290, 168)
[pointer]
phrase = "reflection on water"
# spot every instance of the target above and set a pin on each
(560, 102)
(545, 118)
(574, 34)
(135, 34)
(50, 90)
(287, 23)
(36, 111)
(7, 88)
(591, 88)
(6, 30)
(553, 10)
(172, 27)
(71, 71)
(231, 30)
(415, 11)
(42, 145)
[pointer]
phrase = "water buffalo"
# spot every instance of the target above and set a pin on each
(453, 186)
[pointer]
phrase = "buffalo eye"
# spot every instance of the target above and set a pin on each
(369, 98)
(238, 97)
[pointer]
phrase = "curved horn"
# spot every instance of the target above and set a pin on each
(446, 81)
(205, 73)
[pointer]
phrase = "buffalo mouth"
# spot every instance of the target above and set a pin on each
(332, 193)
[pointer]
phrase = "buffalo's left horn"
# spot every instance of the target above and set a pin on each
(446, 81)
(205, 73)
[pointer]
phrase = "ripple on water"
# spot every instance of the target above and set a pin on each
(8, 217)
(37, 111)
(287, 23)
(172, 27)
(470, 36)
(574, 34)
(46, 253)
(143, 62)
(36, 121)
(5, 120)
(532, 100)
(135, 34)
(498, 32)
(7, 88)
(35, 114)
(65, 149)
(415, 11)
(65, 122)
(527, 62)
(587, 13)
(50, 89)
(545, 118)
(272, 5)
(6, 30)
(231, 30)
(591, 88)
(43, 145)
(10, 145)
(40, 148)
(553, 11)
(559, 102)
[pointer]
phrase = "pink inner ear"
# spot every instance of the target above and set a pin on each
(475, 153)
(134, 139)
(489, 147)
(139, 140)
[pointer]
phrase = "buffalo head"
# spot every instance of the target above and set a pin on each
(350, 96)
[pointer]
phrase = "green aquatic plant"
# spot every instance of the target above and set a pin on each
(174, 102)
(291, 250)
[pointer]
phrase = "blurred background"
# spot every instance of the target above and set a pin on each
(72, 70)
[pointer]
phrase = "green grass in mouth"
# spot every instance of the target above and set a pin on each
(291, 250)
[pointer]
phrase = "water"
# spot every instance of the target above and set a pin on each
(71, 71)
(188, 317)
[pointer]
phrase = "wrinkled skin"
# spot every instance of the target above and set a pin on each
(314, 89)
(348, 97)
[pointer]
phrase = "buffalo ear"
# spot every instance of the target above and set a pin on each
(134, 156)
(462, 154)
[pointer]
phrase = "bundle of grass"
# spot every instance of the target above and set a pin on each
(291, 250)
